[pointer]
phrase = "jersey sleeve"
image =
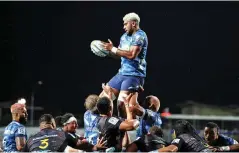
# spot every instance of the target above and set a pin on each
(178, 142)
(138, 40)
(20, 132)
(153, 116)
(230, 141)
(71, 140)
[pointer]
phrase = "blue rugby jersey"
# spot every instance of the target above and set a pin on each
(90, 127)
(224, 141)
(137, 66)
(13, 130)
(148, 120)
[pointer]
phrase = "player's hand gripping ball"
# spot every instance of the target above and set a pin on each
(98, 49)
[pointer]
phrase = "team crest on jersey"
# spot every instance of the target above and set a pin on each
(113, 120)
(176, 141)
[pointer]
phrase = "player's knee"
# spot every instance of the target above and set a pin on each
(121, 106)
(122, 97)
(110, 95)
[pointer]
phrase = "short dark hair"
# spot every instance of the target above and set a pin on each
(46, 118)
(155, 130)
(212, 125)
(60, 120)
(103, 105)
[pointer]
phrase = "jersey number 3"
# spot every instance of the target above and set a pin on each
(44, 144)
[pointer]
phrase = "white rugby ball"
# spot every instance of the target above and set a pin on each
(97, 48)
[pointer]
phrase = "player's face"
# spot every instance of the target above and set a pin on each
(71, 127)
(210, 134)
(128, 27)
(23, 116)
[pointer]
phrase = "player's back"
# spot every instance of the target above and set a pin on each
(150, 142)
(90, 126)
(47, 140)
(109, 129)
(13, 130)
(137, 66)
(188, 143)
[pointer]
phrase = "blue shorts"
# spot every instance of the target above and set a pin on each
(122, 82)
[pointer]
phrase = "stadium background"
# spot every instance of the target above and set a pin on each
(192, 54)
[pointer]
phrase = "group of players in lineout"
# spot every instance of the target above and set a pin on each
(104, 132)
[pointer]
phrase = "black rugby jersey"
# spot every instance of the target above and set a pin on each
(49, 140)
(187, 143)
(150, 142)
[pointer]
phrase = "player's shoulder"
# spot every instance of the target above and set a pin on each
(123, 36)
(57, 131)
(21, 128)
(225, 138)
(184, 136)
(113, 120)
(87, 113)
(222, 136)
(141, 33)
(15, 125)
(151, 113)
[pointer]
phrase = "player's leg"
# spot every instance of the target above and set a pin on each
(130, 84)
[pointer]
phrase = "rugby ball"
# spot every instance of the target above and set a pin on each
(97, 48)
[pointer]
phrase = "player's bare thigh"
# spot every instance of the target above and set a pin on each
(110, 89)
(124, 94)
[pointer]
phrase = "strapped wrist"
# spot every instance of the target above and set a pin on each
(225, 148)
(114, 50)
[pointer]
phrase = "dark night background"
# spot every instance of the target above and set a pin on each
(192, 53)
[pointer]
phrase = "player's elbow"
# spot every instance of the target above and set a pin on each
(131, 56)
(133, 125)
(129, 125)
